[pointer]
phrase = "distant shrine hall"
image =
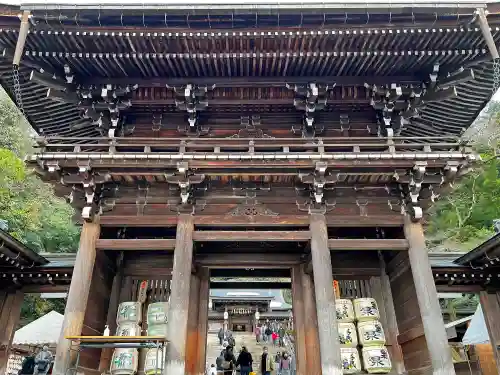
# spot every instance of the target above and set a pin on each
(298, 145)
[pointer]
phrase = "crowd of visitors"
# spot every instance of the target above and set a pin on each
(39, 364)
(271, 332)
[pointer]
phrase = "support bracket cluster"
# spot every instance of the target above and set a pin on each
(397, 104)
(187, 181)
(314, 184)
(310, 99)
(192, 99)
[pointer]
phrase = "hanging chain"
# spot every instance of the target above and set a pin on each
(496, 75)
(17, 89)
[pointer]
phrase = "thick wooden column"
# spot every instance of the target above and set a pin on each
(428, 301)
(77, 297)
(114, 301)
(179, 297)
(10, 309)
(201, 353)
(490, 305)
(313, 364)
(299, 320)
(325, 297)
(192, 326)
(391, 324)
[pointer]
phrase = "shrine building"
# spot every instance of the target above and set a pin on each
(251, 140)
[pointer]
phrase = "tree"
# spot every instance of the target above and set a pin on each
(33, 214)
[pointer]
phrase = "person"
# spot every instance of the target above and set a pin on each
(244, 361)
(266, 362)
(229, 363)
(212, 370)
(42, 361)
(219, 361)
(257, 334)
(28, 365)
(268, 334)
(274, 337)
(220, 335)
(285, 366)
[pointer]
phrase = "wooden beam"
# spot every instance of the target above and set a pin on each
(325, 297)
(460, 288)
(220, 272)
(428, 301)
(251, 81)
(78, 296)
(490, 305)
(235, 260)
(135, 244)
(250, 236)
(299, 318)
(368, 244)
(250, 285)
(33, 288)
(204, 275)
(179, 298)
(395, 220)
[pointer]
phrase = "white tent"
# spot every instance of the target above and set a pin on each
(44, 330)
(476, 333)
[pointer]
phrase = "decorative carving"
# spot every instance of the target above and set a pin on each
(250, 128)
(251, 208)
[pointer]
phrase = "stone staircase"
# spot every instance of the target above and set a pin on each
(242, 338)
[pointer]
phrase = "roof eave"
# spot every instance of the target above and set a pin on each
(19, 247)
(480, 251)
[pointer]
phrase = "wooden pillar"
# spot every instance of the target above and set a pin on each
(201, 353)
(490, 305)
(325, 297)
(381, 291)
(179, 297)
(299, 320)
(10, 310)
(77, 297)
(192, 326)
(114, 300)
(428, 301)
(313, 364)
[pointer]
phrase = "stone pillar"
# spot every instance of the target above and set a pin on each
(313, 364)
(299, 320)
(428, 301)
(490, 304)
(204, 276)
(325, 297)
(10, 309)
(77, 297)
(179, 298)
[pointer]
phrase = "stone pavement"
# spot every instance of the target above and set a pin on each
(242, 338)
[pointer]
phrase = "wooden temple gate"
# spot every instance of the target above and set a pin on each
(192, 138)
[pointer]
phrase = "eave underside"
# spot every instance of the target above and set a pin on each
(100, 52)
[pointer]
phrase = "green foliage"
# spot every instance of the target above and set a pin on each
(34, 215)
(35, 307)
(463, 218)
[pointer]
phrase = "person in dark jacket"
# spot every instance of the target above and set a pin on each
(229, 363)
(28, 365)
(244, 361)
